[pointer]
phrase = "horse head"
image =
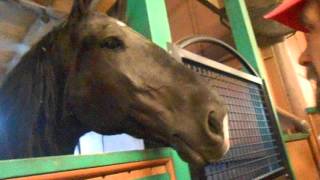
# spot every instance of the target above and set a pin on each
(94, 73)
(121, 82)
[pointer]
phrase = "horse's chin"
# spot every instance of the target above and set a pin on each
(188, 154)
(184, 150)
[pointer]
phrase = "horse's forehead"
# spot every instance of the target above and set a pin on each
(98, 23)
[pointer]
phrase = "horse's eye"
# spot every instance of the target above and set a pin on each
(112, 43)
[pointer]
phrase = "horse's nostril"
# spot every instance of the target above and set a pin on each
(214, 124)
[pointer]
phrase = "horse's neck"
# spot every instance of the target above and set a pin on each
(30, 110)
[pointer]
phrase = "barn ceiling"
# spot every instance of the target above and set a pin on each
(24, 22)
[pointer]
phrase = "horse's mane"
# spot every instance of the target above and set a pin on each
(31, 100)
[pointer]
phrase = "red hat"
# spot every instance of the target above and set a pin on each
(288, 13)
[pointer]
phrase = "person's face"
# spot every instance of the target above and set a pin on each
(311, 56)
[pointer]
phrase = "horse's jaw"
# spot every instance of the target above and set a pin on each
(170, 129)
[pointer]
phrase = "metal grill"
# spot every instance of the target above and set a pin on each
(256, 150)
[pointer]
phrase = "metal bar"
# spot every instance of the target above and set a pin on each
(247, 106)
(251, 128)
(243, 99)
(246, 163)
(250, 153)
(252, 144)
(250, 136)
(261, 167)
(247, 113)
(238, 120)
(270, 173)
(214, 41)
(210, 63)
(224, 80)
(234, 90)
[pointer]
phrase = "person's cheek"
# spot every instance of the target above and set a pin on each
(314, 50)
(305, 58)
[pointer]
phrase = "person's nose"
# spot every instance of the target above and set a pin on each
(305, 59)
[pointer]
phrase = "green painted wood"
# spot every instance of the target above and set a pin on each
(242, 32)
(165, 176)
(312, 110)
(149, 17)
(183, 171)
(43, 165)
(296, 137)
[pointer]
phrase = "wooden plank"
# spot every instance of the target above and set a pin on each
(63, 5)
(301, 159)
(10, 31)
(314, 137)
(276, 84)
(5, 56)
(104, 5)
(15, 21)
(43, 2)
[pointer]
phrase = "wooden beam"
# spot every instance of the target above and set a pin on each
(34, 34)
(44, 2)
(217, 3)
(104, 5)
(63, 5)
(101, 5)
(40, 10)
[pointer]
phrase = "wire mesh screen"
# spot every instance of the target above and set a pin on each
(255, 148)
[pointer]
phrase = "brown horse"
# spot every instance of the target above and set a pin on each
(93, 72)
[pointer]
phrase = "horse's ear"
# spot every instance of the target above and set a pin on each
(81, 8)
